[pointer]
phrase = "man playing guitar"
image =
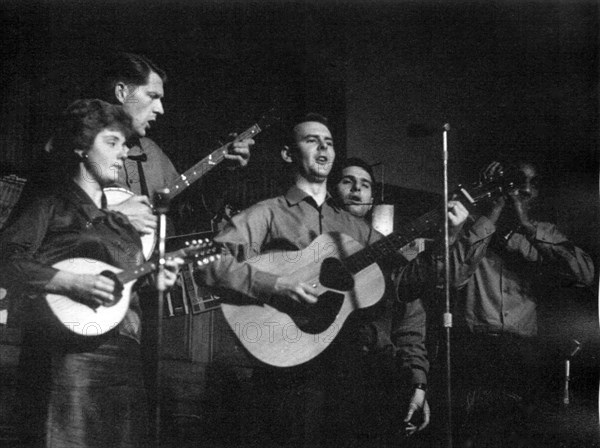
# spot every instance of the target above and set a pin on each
(292, 223)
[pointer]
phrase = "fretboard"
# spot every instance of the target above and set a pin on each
(150, 266)
(388, 247)
(206, 164)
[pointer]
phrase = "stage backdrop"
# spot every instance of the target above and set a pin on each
(511, 78)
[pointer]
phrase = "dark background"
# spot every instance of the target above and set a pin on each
(513, 78)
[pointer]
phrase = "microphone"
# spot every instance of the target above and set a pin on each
(420, 130)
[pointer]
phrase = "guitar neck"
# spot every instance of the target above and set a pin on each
(148, 267)
(206, 164)
(387, 247)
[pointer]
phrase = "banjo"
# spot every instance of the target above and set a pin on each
(117, 195)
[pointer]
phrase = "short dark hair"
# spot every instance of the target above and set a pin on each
(303, 118)
(128, 68)
(78, 127)
(336, 175)
(351, 161)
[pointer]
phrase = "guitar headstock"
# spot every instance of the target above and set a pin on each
(202, 251)
(486, 189)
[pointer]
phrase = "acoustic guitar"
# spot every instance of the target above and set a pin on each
(347, 275)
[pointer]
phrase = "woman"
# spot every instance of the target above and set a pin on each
(85, 392)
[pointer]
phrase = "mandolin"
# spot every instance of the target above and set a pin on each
(85, 320)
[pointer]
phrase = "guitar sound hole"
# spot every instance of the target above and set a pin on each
(315, 319)
(335, 276)
(118, 288)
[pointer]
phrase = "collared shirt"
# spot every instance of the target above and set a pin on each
(292, 222)
(289, 222)
(500, 284)
(61, 225)
(159, 171)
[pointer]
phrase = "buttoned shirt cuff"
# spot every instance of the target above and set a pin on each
(418, 376)
(263, 285)
(545, 235)
(541, 235)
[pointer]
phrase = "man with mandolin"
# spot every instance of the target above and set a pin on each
(76, 390)
(303, 264)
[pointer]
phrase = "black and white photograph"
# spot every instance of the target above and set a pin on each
(299, 223)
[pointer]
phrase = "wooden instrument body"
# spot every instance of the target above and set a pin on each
(286, 334)
(347, 276)
(82, 319)
(118, 195)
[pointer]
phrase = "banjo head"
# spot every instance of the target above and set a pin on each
(118, 195)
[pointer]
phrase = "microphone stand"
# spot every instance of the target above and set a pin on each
(447, 313)
(161, 205)
(567, 378)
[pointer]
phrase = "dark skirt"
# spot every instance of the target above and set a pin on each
(88, 397)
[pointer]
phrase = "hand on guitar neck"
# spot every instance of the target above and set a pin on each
(138, 210)
(290, 287)
(238, 154)
(457, 215)
(315, 291)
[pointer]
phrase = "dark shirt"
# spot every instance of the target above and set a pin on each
(408, 328)
(500, 283)
(61, 225)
